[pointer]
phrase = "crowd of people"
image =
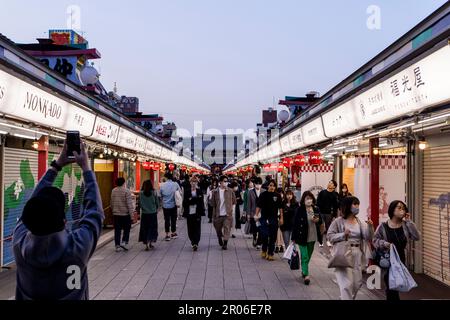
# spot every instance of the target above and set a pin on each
(273, 219)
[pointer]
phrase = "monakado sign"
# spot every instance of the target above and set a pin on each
(25, 101)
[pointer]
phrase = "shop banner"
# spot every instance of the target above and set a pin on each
(362, 172)
(392, 182)
(315, 178)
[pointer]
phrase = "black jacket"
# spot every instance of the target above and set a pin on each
(328, 202)
(189, 200)
(288, 216)
(300, 228)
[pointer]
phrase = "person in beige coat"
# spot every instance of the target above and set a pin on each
(223, 201)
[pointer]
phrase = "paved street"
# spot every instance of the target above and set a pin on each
(173, 271)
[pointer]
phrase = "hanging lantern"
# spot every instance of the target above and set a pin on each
(266, 167)
(183, 168)
(171, 167)
(315, 158)
(299, 160)
(287, 162)
(280, 167)
(147, 165)
(156, 166)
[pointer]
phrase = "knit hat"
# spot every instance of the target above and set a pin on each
(44, 214)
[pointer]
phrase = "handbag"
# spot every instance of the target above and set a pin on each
(341, 256)
(243, 219)
(399, 277)
(247, 227)
(294, 262)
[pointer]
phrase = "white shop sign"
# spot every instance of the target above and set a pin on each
(296, 139)
(285, 145)
(105, 131)
(23, 100)
(157, 150)
(313, 132)
(140, 143)
(127, 139)
(421, 85)
(340, 120)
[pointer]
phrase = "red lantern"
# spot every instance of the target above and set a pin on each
(249, 169)
(147, 165)
(156, 166)
(171, 167)
(287, 162)
(183, 168)
(315, 158)
(299, 160)
(280, 167)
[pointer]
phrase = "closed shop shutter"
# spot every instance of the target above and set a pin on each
(436, 213)
(70, 181)
(20, 178)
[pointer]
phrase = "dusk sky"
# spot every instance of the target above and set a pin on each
(220, 61)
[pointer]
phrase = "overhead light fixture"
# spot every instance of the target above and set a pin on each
(344, 157)
(434, 118)
(422, 144)
(101, 156)
(376, 151)
(57, 137)
(390, 129)
(339, 148)
(35, 144)
(383, 144)
(24, 136)
(21, 128)
(3, 132)
(351, 150)
(116, 153)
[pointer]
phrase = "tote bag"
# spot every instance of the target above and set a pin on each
(341, 256)
(399, 277)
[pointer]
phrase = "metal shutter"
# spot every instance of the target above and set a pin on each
(70, 181)
(20, 178)
(436, 213)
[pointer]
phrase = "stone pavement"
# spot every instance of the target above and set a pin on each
(173, 271)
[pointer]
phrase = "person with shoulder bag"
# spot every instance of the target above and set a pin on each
(149, 203)
(397, 231)
(194, 209)
(306, 230)
(347, 234)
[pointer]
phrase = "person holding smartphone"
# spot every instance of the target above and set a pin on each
(397, 231)
(45, 252)
(307, 228)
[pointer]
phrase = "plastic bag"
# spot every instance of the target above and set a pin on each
(294, 262)
(288, 253)
(399, 277)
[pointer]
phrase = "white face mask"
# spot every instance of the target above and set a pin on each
(308, 202)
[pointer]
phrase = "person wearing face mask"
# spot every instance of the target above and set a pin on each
(223, 200)
(194, 209)
(328, 203)
(344, 192)
(349, 228)
(253, 196)
(290, 206)
(306, 230)
(212, 187)
(237, 207)
(397, 231)
(267, 208)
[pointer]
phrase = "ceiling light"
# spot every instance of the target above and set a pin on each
(24, 136)
(422, 144)
(434, 118)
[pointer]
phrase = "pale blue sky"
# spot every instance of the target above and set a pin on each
(221, 61)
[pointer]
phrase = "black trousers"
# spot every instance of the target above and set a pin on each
(122, 223)
(269, 232)
(210, 211)
(170, 219)
(194, 226)
(237, 217)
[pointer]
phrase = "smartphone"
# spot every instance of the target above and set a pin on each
(73, 143)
